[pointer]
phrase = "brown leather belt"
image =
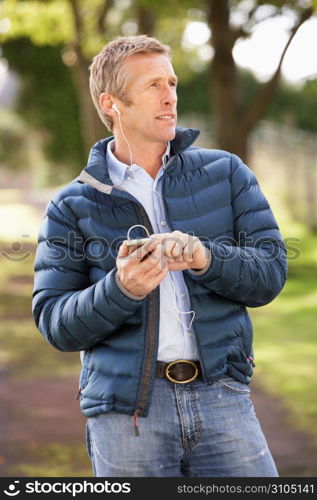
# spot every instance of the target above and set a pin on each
(180, 371)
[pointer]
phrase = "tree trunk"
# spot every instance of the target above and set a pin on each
(92, 128)
(146, 20)
(223, 81)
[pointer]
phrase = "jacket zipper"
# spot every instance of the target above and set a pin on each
(251, 361)
(135, 425)
(249, 358)
(152, 337)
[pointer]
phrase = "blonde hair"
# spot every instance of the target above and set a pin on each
(107, 72)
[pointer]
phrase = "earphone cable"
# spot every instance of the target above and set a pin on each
(130, 153)
(140, 225)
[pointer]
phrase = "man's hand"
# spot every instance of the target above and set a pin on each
(140, 274)
(183, 251)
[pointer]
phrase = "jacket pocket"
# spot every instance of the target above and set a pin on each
(240, 365)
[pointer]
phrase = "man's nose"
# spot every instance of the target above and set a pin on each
(170, 96)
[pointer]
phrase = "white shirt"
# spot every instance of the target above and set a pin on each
(175, 340)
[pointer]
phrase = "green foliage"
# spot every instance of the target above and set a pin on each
(193, 96)
(12, 140)
(305, 106)
(296, 106)
(165, 8)
(44, 23)
(51, 460)
(48, 99)
(49, 361)
(19, 336)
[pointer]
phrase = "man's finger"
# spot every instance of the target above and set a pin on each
(188, 253)
(159, 235)
(139, 253)
(123, 250)
(155, 259)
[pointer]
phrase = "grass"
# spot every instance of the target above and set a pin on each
(286, 349)
(52, 460)
(20, 339)
(28, 355)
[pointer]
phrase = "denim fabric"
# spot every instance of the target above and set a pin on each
(195, 429)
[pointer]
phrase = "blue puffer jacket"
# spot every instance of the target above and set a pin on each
(78, 306)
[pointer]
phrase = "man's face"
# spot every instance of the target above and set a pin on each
(152, 91)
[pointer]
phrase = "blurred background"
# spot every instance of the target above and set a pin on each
(248, 81)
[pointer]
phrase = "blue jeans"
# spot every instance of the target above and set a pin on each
(194, 429)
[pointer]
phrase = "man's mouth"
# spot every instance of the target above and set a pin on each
(166, 117)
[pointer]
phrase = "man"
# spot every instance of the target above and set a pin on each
(164, 331)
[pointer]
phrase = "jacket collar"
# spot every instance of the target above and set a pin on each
(118, 171)
(96, 172)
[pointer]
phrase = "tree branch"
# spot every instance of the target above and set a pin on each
(238, 33)
(242, 32)
(253, 11)
(79, 29)
(260, 3)
(265, 94)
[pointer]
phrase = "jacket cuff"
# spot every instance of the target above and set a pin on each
(204, 269)
(126, 292)
(214, 271)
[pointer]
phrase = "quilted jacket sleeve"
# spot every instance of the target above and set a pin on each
(71, 313)
(251, 269)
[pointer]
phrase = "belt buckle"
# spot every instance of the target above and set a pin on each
(186, 361)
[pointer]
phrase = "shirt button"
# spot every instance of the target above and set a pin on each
(182, 295)
(163, 223)
(190, 334)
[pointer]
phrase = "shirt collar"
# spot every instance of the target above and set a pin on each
(118, 170)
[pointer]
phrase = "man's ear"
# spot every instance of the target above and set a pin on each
(105, 101)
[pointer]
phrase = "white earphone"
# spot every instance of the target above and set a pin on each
(115, 108)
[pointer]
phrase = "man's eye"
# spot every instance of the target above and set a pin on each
(173, 84)
(153, 84)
